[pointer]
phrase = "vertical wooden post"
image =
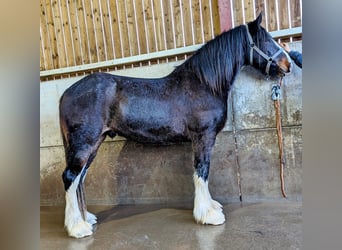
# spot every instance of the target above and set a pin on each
(225, 15)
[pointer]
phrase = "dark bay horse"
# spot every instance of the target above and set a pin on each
(190, 104)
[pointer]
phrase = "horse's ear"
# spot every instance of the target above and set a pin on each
(258, 20)
(255, 25)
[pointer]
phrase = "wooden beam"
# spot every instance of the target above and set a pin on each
(225, 15)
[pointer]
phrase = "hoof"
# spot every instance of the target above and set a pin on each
(80, 230)
(209, 215)
(91, 218)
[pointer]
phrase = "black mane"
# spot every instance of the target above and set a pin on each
(218, 61)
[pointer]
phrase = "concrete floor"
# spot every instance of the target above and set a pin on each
(267, 225)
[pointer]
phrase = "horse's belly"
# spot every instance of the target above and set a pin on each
(152, 134)
(150, 121)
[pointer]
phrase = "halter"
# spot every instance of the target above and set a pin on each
(269, 59)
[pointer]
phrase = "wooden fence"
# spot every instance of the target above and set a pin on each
(75, 33)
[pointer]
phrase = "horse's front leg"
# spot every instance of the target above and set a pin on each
(206, 210)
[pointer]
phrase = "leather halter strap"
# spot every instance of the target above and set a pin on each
(269, 59)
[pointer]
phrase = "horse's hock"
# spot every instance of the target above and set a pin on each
(245, 159)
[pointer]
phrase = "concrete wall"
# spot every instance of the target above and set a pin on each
(126, 172)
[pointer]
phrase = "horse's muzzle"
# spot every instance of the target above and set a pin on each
(285, 66)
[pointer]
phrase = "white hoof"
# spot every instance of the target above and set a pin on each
(91, 218)
(80, 230)
(211, 214)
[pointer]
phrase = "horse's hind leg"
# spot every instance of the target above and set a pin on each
(79, 154)
(87, 216)
(206, 210)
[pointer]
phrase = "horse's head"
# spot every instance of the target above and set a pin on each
(264, 53)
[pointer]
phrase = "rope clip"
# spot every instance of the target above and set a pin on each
(276, 92)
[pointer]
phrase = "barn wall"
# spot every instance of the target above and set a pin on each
(126, 172)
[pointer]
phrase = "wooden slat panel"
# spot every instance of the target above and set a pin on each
(77, 32)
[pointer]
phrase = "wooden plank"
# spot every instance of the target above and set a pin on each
(73, 22)
(68, 40)
(295, 13)
(123, 28)
(178, 23)
(83, 32)
(41, 54)
(52, 34)
(116, 29)
(260, 7)
(283, 11)
(88, 12)
(98, 34)
(59, 34)
(225, 15)
(271, 14)
(47, 46)
(141, 27)
(151, 39)
(216, 17)
(160, 33)
(168, 23)
(249, 10)
(238, 17)
(131, 27)
(107, 29)
(187, 22)
(196, 17)
(206, 20)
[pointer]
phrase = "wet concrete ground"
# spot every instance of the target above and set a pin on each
(267, 225)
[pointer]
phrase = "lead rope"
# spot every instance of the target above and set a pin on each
(276, 95)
